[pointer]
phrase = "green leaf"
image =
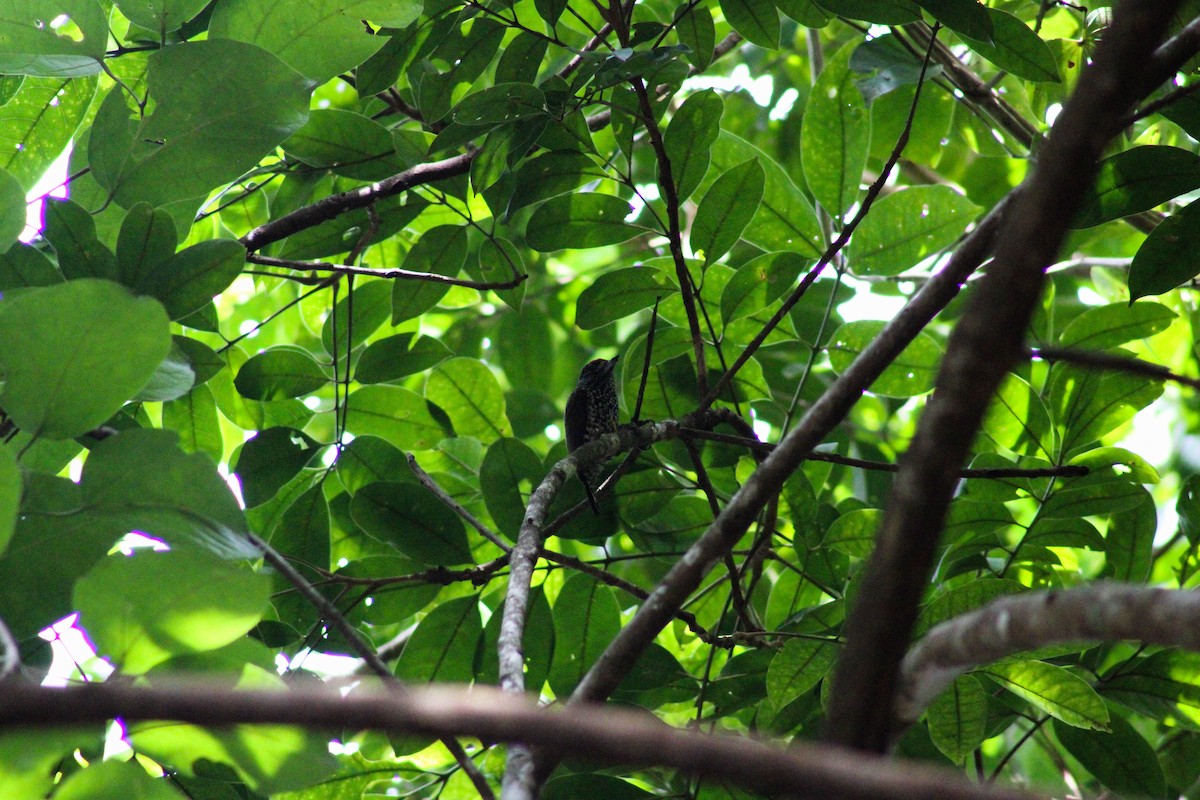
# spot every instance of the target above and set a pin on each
(695, 29)
(1017, 420)
(1054, 691)
(760, 282)
(908, 226)
(356, 316)
(1137, 180)
(52, 38)
(580, 221)
(689, 138)
(439, 251)
(194, 418)
(884, 12)
(1165, 685)
(586, 618)
(912, 373)
(160, 16)
(280, 372)
(1016, 49)
(785, 219)
(12, 209)
(618, 294)
(756, 20)
(71, 230)
(75, 353)
(271, 458)
(1129, 542)
(319, 39)
(407, 516)
(43, 117)
(961, 599)
(966, 17)
(369, 459)
(1097, 493)
(501, 103)
(190, 279)
(399, 356)
(1108, 326)
(728, 206)
(509, 471)
(146, 241)
(24, 266)
(548, 175)
(471, 396)
(853, 533)
(1087, 403)
(11, 489)
(181, 151)
(347, 143)
(442, 648)
(1169, 257)
(396, 414)
(590, 786)
(1120, 759)
(957, 719)
(143, 609)
(836, 131)
(110, 780)
(797, 668)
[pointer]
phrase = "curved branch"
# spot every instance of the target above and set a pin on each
(1097, 613)
(390, 274)
(612, 736)
(984, 345)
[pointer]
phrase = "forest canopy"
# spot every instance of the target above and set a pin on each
(904, 498)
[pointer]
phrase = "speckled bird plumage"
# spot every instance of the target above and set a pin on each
(592, 411)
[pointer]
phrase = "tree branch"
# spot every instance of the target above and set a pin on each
(390, 274)
(613, 736)
(984, 345)
(1102, 612)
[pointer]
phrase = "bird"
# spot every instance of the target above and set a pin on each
(592, 412)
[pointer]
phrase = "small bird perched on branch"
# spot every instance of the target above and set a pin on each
(591, 413)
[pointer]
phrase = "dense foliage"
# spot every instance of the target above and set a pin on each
(325, 272)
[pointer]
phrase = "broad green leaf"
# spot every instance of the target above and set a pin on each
(110, 780)
(1169, 257)
(52, 38)
(1188, 508)
(442, 648)
(29, 758)
(407, 516)
(143, 609)
(961, 599)
(509, 472)
(756, 20)
(1138, 179)
(71, 230)
(356, 316)
(439, 251)
(785, 219)
(1070, 532)
(689, 138)
(966, 17)
(1165, 685)
(269, 460)
(1017, 420)
(760, 282)
(836, 131)
(548, 175)
(1015, 48)
(470, 395)
(369, 459)
(190, 279)
(194, 418)
(797, 668)
(24, 266)
(1120, 758)
(42, 119)
(695, 29)
(11, 489)
(807, 12)
(884, 12)
(280, 372)
(173, 378)
(618, 294)
(593, 786)
(1108, 326)
(399, 356)
(75, 353)
(1087, 403)
(586, 618)
(180, 150)
(522, 59)
(147, 240)
(908, 226)
(525, 347)
(1129, 542)
(320, 39)
(579, 221)
(1097, 493)
(957, 719)
(853, 533)
(12, 209)
(347, 143)
(501, 103)
(911, 373)
(1054, 691)
(728, 206)
(396, 414)
(160, 16)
